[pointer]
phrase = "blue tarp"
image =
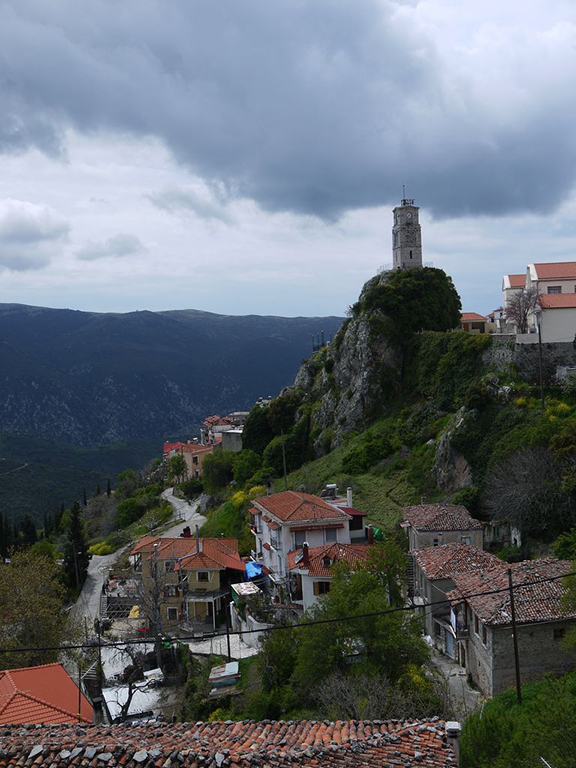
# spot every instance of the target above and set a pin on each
(253, 569)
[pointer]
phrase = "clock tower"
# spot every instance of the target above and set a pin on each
(406, 236)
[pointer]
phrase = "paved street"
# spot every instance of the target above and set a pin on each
(464, 698)
(88, 604)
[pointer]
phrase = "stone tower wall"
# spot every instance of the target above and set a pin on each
(406, 238)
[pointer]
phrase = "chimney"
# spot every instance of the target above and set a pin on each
(349, 496)
(197, 539)
(305, 557)
(186, 533)
(370, 534)
(268, 487)
(422, 500)
(453, 729)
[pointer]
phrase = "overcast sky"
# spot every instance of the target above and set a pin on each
(243, 156)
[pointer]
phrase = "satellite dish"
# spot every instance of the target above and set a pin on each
(302, 488)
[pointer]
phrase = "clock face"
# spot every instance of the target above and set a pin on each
(408, 215)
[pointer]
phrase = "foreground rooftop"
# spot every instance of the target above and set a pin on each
(284, 743)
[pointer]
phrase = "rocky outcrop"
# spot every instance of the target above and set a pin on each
(451, 469)
(351, 381)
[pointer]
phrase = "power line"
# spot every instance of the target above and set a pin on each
(280, 627)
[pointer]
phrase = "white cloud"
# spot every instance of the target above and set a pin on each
(29, 234)
(178, 199)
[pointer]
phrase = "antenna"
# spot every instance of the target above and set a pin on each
(403, 191)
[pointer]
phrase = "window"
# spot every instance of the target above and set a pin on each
(169, 566)
(466, 539)
(172, 614)
(554, 289)
(203, 576)
(321, 587)
(326, 562)
(194, 459)
(330, 534)
(274, 539)
(171, 590)
(410, 254)
(435, 543)
(476, 625)
(196, 474)
(484, 635)
(299, 539)
(559, 633)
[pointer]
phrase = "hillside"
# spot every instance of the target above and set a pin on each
(118, 384)
(402, 406)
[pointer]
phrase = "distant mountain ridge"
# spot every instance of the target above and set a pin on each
(90, 378)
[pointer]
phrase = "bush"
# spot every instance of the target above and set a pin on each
(192, 487)
(246, 464)
(257, 431)
(372, 449)
(217, 470)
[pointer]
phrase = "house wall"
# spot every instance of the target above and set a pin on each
(191, 465)
(423, 539)
(559, 325)
(232, 440)
(212, 583)
(538, 651)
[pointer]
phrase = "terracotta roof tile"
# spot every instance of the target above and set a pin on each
(353, 554)
(558, 300)
(440, 517)
(292, 506)
(215, 553)
(444, 561)
(517, 281)
(45, 694)
(277, 744)
(533, 602)
(556, 270)
(467, 317)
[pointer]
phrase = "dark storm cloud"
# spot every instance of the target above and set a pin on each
(118, 246)
(313, 107)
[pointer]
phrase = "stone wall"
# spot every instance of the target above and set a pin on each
(504, 353)
(538, 651)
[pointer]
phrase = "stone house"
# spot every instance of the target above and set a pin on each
(472, 322)
(311, 569)
(483, 622)
(430, 525)
(283, 522)
(434, 569)
(186, 579)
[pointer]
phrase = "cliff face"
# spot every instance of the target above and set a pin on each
(350, 381)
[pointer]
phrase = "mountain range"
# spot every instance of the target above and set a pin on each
(72, 378)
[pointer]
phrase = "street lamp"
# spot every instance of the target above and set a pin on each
(538, 313)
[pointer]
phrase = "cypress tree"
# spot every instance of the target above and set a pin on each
(108, 489)
(76, 557)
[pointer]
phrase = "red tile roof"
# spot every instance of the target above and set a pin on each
(467, 317)
(197, 448)
(216, 553)
(440, 517)
(558, 300)
(353, 554)
(45, 694)
(517, 281)
(216, 421)
(533, 602)
(352, 510)
(557, 270)
(340, 744)
(173, 446)
(289, 506)
(443, 561)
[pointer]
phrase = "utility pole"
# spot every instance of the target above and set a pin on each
(284, 460)
(227, 611)
(79, 693)
(538, 320)
(515, 638)
(156, 608)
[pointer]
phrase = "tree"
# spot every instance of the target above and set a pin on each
(257, 431)
(217, 470)
(177, 469)
(246, 463)
(519, 307)
(28, 534)
(525, 490)
(127, 483)
(76, 557)
(31, 609)
(108, 488)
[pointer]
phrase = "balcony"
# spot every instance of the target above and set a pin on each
(461, 631)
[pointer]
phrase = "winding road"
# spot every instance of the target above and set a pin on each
(88, 604)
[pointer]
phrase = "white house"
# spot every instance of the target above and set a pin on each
(311, 569)
(283, 522)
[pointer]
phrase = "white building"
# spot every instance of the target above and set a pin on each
(284, 522)
(311, 569)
